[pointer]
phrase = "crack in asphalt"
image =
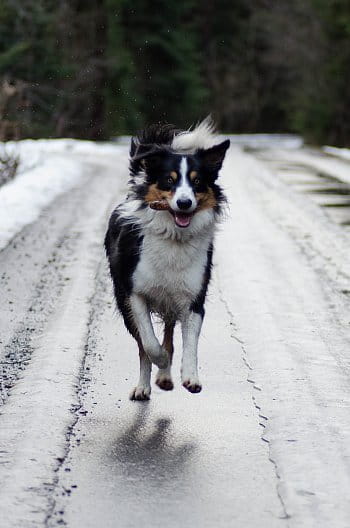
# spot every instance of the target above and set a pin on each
(263, 418)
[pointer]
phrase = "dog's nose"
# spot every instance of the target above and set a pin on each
(184, 204)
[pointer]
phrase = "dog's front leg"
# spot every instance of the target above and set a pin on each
(191, 327)
(142, 320)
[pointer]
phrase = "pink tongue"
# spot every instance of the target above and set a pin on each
(182, 220)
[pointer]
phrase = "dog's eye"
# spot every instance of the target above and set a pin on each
(196, 181)
(170, 180)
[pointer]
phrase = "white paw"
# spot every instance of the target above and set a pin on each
(158, 356)
(140, 393)
(164, 381)
(192, 384)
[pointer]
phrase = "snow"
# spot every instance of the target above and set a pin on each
(48, 168)
(339, 152)
(33, 152)
(337, 168)
(267, 141)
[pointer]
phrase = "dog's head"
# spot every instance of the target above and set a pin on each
(186, 183)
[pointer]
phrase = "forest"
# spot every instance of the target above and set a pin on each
(97, 69)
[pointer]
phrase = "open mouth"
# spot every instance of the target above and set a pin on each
(182, 219)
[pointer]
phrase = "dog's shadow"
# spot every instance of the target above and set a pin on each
(151, 451)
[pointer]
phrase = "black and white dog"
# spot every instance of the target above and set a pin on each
(160, 260)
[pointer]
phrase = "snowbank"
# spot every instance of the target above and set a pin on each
(33, 152)
(337, 168)
(267, 141)
(47, 169)
(339, 152)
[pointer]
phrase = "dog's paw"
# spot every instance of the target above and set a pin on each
(158, 356)
(192, 385)
(140, 393)
(164, 382)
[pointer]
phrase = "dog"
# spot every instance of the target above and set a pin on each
(159, 244)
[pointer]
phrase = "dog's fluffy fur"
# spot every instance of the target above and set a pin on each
(160, 261)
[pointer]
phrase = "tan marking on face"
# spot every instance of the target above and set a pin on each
(174, 175)
(154, 193)
(206, 200)
(193, 175)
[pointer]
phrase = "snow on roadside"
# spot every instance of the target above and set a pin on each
(267, 141)
(33, 152)
(337, 168)
(338, 152)
(23, 199)
(47, 169)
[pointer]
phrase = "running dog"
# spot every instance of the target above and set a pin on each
(159, 245)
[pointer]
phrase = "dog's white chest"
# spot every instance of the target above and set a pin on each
(170, 273)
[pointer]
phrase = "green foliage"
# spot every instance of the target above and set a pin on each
(161, 42)
(12, 54)
(122, 98)
(334, 17)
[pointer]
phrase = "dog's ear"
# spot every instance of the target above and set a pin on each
(213, 157)
(148, 155)
(147, 158)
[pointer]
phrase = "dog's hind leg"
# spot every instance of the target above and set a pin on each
(163, 379)
(143, 389)
(142, 320)
(191, 327)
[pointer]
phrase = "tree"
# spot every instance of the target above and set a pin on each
(160, 40)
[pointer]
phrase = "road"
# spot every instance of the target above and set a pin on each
(265, 444)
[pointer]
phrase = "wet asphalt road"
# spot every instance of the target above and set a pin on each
(264, 444)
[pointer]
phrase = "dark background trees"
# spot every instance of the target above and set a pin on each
(98, 68)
